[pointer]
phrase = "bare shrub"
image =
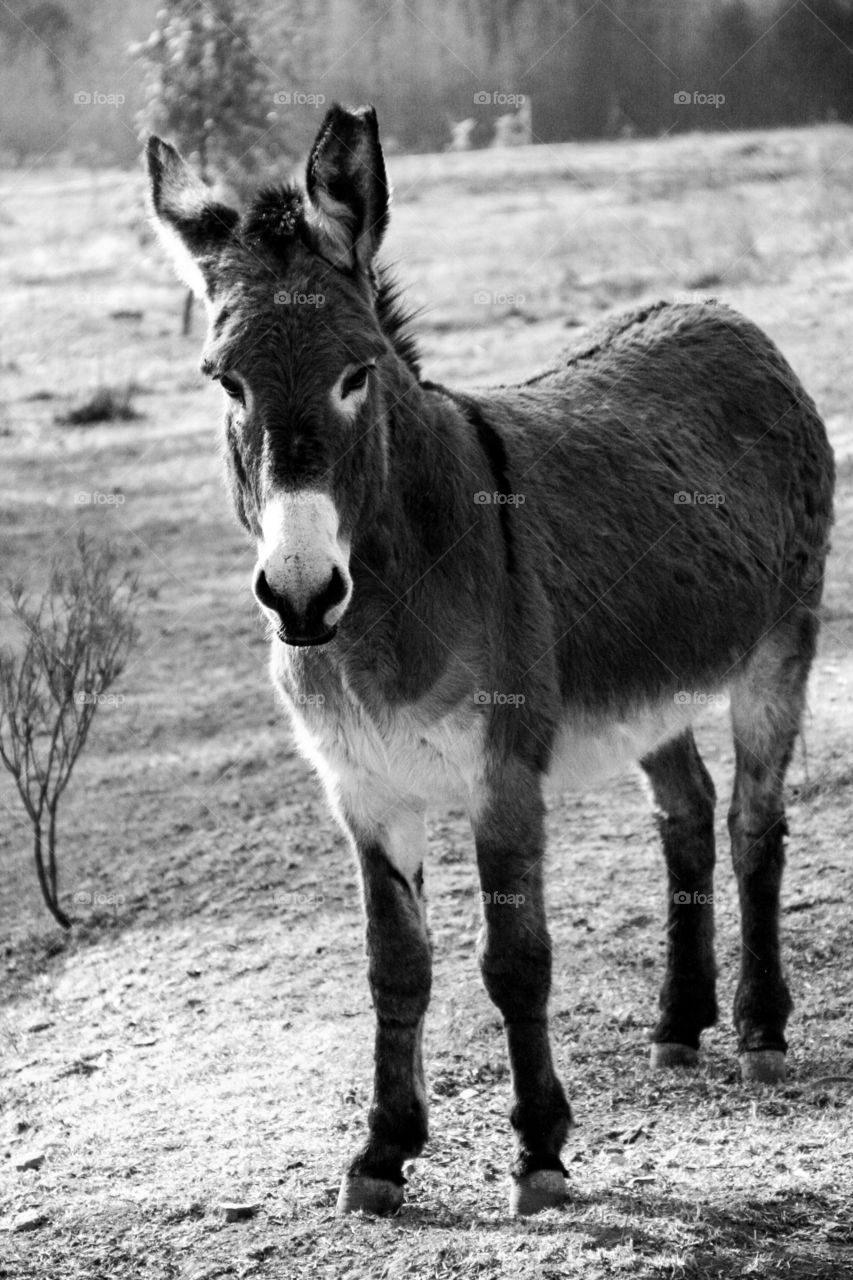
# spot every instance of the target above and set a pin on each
(73, 644)
(105, 404)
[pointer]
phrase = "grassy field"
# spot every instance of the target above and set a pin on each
(204, 1034)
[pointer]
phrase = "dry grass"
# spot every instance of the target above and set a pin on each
(204, 1035)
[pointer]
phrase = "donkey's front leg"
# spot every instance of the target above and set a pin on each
(399, 972)
(515, 959)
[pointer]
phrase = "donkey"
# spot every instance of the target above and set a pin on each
(470, 592)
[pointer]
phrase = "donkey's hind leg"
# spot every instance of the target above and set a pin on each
(684, 799)
(767, 705)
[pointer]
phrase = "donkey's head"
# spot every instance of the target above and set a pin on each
(294, 340)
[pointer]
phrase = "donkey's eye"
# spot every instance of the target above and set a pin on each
(356, 380)
(232, 388)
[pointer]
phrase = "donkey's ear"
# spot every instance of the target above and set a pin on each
(347, 187)
(192, 225)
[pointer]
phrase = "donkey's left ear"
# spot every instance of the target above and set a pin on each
(193, 226)
(347, 187)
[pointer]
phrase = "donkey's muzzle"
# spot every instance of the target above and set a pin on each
(306, 642)
(303, 626)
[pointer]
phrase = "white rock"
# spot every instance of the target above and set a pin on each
(29, 1221)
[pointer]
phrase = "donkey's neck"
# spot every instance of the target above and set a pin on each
(432, 467)
(423, 539)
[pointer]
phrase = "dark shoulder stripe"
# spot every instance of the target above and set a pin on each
(492, 444)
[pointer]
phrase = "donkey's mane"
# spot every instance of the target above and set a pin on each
(395, 318)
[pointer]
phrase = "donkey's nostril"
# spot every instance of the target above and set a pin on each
(333, 592)
(263, 592)
(277, 604)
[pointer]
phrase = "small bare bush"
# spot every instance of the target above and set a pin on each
(105, 404)
(73, 644)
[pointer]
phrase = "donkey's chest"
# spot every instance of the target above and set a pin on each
(406, 761)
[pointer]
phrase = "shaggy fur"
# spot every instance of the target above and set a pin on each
(546, 578)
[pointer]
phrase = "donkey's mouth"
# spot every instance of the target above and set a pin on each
(305, 642)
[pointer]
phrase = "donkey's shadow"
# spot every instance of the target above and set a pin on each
(788, 1231)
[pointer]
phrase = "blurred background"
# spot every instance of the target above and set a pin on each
(590, 69)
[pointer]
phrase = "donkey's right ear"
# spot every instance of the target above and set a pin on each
(347, 187)
(193, 227)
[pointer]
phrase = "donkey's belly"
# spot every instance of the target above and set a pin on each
(408, 763)
(589, 753)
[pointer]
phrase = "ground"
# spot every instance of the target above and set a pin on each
(203, 1035)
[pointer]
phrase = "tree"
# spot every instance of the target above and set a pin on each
(49, 29)
(209, 92)
(810, 51)
(75, 642)
(39, 40)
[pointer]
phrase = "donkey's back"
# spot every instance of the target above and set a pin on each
(672, 491)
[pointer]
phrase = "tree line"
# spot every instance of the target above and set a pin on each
(589, 68)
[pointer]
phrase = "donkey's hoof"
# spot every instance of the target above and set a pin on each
(763, 1066)
(360, 1193)
(670, 1054)
(544, 1189)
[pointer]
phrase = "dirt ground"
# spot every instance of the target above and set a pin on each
(203, 1036)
